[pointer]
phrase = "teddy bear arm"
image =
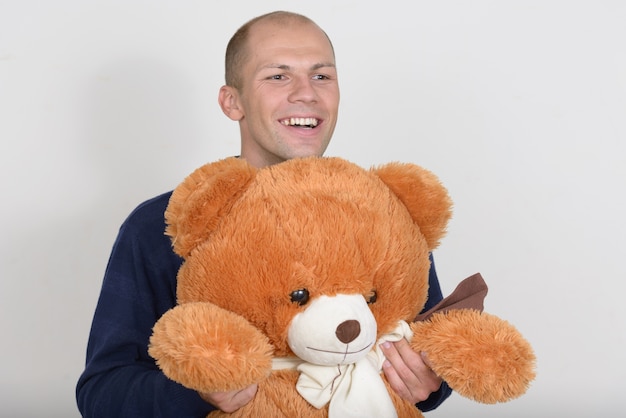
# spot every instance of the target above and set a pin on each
(479, 355)
(209, 349)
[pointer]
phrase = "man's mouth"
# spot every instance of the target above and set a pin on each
(301, 122)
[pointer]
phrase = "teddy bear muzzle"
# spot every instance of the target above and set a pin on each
(333, 330)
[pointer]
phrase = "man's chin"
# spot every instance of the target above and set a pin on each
(307, 150)
(305, 154)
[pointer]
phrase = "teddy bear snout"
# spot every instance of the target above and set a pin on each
(348, 330)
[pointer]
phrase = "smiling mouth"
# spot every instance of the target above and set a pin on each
(341, 352)
(301, 122)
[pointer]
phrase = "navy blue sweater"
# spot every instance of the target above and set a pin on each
(120, 378)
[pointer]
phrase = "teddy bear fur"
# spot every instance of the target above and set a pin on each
(253, 238)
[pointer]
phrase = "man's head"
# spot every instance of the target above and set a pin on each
(237, 50)
(281, 86)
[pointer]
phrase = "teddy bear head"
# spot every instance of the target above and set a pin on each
(317, 253)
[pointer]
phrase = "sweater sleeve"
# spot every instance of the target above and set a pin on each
(434, 296)
(120, 378)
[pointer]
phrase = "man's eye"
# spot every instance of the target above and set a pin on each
(321, 77)
(276, 77)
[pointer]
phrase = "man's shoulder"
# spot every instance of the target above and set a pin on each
(150, 212)
(157, 204)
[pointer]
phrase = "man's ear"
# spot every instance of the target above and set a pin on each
(228, 99)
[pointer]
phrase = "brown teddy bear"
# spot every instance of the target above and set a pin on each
(294, 273)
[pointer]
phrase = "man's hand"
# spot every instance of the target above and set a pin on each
(408, 372)
(229, 402)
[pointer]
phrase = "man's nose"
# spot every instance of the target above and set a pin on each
(303, 90)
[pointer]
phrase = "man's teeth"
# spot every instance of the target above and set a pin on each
(311, 122)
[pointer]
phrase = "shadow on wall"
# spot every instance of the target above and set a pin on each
(140, 124)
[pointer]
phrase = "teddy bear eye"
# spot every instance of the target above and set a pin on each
(371, 297)
(300, 296)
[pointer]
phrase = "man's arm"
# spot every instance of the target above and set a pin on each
(120, 378)
(407, 371)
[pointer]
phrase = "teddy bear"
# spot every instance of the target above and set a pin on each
(294, 274)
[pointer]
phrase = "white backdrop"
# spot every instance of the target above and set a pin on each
(519, 107)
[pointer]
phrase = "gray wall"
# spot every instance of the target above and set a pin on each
(519, 107)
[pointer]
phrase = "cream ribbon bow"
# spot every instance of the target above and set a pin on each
(354, 390)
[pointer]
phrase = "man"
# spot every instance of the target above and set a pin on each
(282, 89)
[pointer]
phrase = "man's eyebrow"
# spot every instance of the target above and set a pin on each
(288, 67)
(323, 65)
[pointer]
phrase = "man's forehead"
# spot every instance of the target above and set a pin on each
(290, 46)
(290, 55)
(288, 34)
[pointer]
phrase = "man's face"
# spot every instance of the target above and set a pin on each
(289, 95)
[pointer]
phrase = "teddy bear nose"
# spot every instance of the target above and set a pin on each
(348, 330)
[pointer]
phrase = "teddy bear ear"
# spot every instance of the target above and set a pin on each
(198, 203)
(424, 196)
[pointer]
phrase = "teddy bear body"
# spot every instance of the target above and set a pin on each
(296, 271)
